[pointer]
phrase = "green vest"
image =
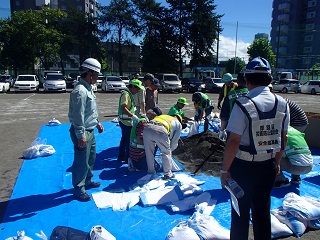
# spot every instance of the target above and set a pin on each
(122, 115)
(204, 97)
(234, 94)
(133, 135)
(296, 143)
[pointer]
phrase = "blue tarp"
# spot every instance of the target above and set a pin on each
(42, 197)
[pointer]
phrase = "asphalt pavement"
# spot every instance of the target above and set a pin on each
(23, 114)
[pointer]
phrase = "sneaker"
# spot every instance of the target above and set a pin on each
(92, 185)
(281, 183)
(295, 179)
(167, 177)
(131, 167)
(83, 197)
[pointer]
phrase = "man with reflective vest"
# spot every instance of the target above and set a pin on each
(258, 127)
(137, 155)
(126, 117)
(163, 131)
(226, 88)
(297, 159)
(228, 103)
(203, 108)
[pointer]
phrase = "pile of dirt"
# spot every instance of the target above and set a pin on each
(201, 153)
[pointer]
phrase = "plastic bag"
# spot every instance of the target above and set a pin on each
(194, 129)
(53, 122)
(38, 149)
(100, 233)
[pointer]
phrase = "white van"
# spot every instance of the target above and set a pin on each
(169, 82)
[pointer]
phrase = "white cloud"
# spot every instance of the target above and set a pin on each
(227, 48)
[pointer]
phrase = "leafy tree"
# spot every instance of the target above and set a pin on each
(261, 47)
(240, 65)
(314, 70)
(118, 23)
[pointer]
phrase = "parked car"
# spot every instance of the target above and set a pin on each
(27, 83)
(311, 86)
(192, 85)
(112, 83)
(125, 79)
(213, 84)
(70, 78)
(286, 85)
(55, 82)
(100, 79)
(169, 82)
(94, 86)
(4, 86)
(8, 79)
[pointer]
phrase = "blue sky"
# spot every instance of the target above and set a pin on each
(252, 16)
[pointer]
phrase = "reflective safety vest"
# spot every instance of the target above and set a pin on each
(265, 128)
(225, 89)
(122, 115)
(165, 120)
(296, 143)
(234, 94)
(204, 97)
(133, 135)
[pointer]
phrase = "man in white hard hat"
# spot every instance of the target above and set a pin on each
(83, 116)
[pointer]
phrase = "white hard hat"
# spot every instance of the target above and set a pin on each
(92, 64)
(258, 65)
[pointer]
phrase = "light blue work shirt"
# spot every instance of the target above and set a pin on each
(83, 112)
(264, 100)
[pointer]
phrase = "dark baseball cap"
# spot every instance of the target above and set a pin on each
(156, 82)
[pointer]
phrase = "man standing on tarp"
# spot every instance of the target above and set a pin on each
(83, 115)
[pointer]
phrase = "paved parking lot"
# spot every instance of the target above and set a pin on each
(23, 114)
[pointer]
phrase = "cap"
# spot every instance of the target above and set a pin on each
(258, 65)
(227, 77)
(196, 97)
(182, 100)
(155, 110)
(92, 64)
(156, 82)
(136, 83)
(148, 76)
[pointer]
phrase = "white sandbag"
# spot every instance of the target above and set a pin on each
(207, 227)
(182, 232)
(20, 235)
(194, 129)
(298, 226)
(300, 207)
(54, 122)
(279, 229)
(314, 224)
(100, 233)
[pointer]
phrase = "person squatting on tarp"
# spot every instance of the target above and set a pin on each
(258, 128)
(226, 88)
(137, 155)
(297, 159)
(83, 116)
(163, 131)
(126, 116)
(203, 108)
(177, 108)
(228, 103)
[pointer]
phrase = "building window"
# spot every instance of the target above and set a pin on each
(311, 14)
(63, 8)
(17, 3)
(307, 49)
(312, 3)
(309, 26)
(308, 38)
(80, 8)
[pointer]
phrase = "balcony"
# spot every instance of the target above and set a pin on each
(283, 17)
(284, 28)
(284, 7)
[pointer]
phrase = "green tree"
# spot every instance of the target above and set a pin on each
(240, 65)
(118, 24)
(261, 47)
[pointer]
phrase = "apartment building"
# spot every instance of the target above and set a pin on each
(86, 6)
(295, 33)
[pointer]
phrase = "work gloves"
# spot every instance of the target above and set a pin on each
(223, 135)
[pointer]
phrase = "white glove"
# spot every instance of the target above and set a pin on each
(223, 135)
(42, 235)
(135, 118)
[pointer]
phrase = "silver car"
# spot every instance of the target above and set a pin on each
(55, 82)
(112, 84)
(286, 85)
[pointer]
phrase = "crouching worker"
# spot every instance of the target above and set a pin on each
(297, 159)
(203, 108)
(137, 155)
(163, 131)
